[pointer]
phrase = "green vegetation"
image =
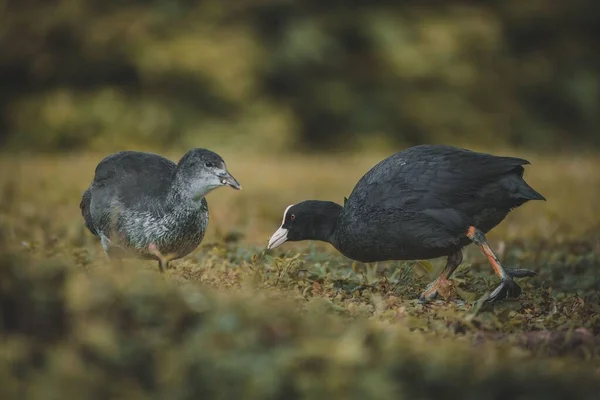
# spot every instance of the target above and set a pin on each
(286, 92)
(231, 321)
(312, 74)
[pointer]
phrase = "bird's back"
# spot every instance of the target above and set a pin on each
(128, 180)
(425, 197)
(435, 175)
(133, 174)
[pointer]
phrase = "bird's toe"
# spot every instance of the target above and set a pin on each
(507, 288)
(429, 294)
(520, 272)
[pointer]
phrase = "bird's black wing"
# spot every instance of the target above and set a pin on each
(424, 188)
(419, 177)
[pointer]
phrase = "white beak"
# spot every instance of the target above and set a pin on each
(278, 238)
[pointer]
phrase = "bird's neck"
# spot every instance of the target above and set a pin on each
(185, 193)
(324, 222)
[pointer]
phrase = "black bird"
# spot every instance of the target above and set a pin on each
(425, 202)
(144, 205)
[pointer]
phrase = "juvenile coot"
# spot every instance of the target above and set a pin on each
(425, 202)
(141, 204)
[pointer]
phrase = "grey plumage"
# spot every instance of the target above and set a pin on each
(138, 200)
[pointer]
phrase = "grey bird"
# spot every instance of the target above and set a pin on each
(425, 202)
(143, 205)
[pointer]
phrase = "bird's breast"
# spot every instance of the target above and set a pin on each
(178, 232)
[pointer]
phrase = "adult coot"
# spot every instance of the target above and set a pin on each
(141, 204)
(425, 202)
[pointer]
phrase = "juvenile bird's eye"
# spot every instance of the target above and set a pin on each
(209, 164)
(292, 217)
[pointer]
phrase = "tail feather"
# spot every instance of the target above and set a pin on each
(86, 200)
(523, 190)
(530, 193)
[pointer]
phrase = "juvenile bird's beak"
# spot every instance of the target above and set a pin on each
(278, 238)
(227, 179)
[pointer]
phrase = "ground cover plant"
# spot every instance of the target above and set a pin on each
(234, 321)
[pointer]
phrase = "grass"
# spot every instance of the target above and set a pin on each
(231, 320)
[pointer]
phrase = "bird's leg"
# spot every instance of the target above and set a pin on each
(508, 287)
(114, 259)
(162, 266)
(163, 262)
(431, 291)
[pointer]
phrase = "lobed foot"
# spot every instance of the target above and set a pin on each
(432, 290)
(429, 294)
(507, 288)
(520, 272)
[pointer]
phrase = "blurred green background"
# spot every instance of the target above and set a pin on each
(343, 84)
(298, 75)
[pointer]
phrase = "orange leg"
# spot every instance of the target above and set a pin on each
(163, 261)
(431, 291)
(479, 239)
(508, 287)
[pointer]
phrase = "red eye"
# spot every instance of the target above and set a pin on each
(292, 217)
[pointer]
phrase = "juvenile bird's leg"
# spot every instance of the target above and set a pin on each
(112, 252)
(163, 262)
(431, 291)
(508, 287)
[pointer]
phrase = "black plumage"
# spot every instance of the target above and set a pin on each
(424, 202)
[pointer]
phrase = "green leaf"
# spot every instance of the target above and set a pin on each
(425, 266)
(467, 296)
